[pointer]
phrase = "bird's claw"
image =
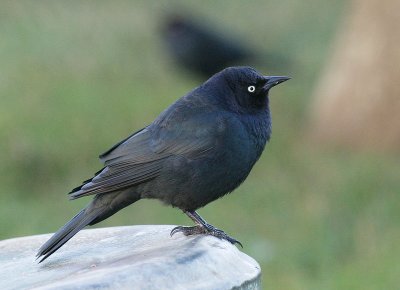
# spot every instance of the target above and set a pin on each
(188, 231)
(208, 230)
(222, 235)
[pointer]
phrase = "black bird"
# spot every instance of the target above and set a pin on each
(200, 148)
(201, 49)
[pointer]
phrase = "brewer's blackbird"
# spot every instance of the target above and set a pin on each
(200, 148)
(201, 49)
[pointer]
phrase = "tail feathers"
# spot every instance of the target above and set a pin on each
(78, 222)
(101, 207)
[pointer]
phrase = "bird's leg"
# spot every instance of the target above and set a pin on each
(202, 227)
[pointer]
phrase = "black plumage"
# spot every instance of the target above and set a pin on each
(199, 149)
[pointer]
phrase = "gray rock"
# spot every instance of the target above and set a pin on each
(137, 257)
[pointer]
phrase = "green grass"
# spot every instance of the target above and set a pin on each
(77, 76)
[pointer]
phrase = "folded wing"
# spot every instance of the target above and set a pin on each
(141, 156)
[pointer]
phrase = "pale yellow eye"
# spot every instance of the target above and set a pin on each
(251, 89)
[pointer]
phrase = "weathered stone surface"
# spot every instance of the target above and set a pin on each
(137, 257)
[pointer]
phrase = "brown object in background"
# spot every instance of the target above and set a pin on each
(357, 100)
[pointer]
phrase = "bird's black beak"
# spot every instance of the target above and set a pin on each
(273, 81)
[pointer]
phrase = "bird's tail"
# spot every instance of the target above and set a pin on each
(78, 222)
(99, 209)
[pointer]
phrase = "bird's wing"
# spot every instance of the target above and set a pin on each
(141, 156)
(186, 132)
(127, 163)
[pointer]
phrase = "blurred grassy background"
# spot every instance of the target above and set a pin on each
(78, 76)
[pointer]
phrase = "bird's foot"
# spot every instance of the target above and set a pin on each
(205, 230)
(211, 230)
(188, 231)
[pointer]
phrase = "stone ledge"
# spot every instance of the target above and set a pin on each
(134, 257)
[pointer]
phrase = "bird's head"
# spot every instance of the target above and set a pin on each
(249, 88)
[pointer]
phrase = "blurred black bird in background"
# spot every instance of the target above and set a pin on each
(200, 148)
(201, 49)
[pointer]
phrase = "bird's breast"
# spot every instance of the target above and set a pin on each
(190, 183)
